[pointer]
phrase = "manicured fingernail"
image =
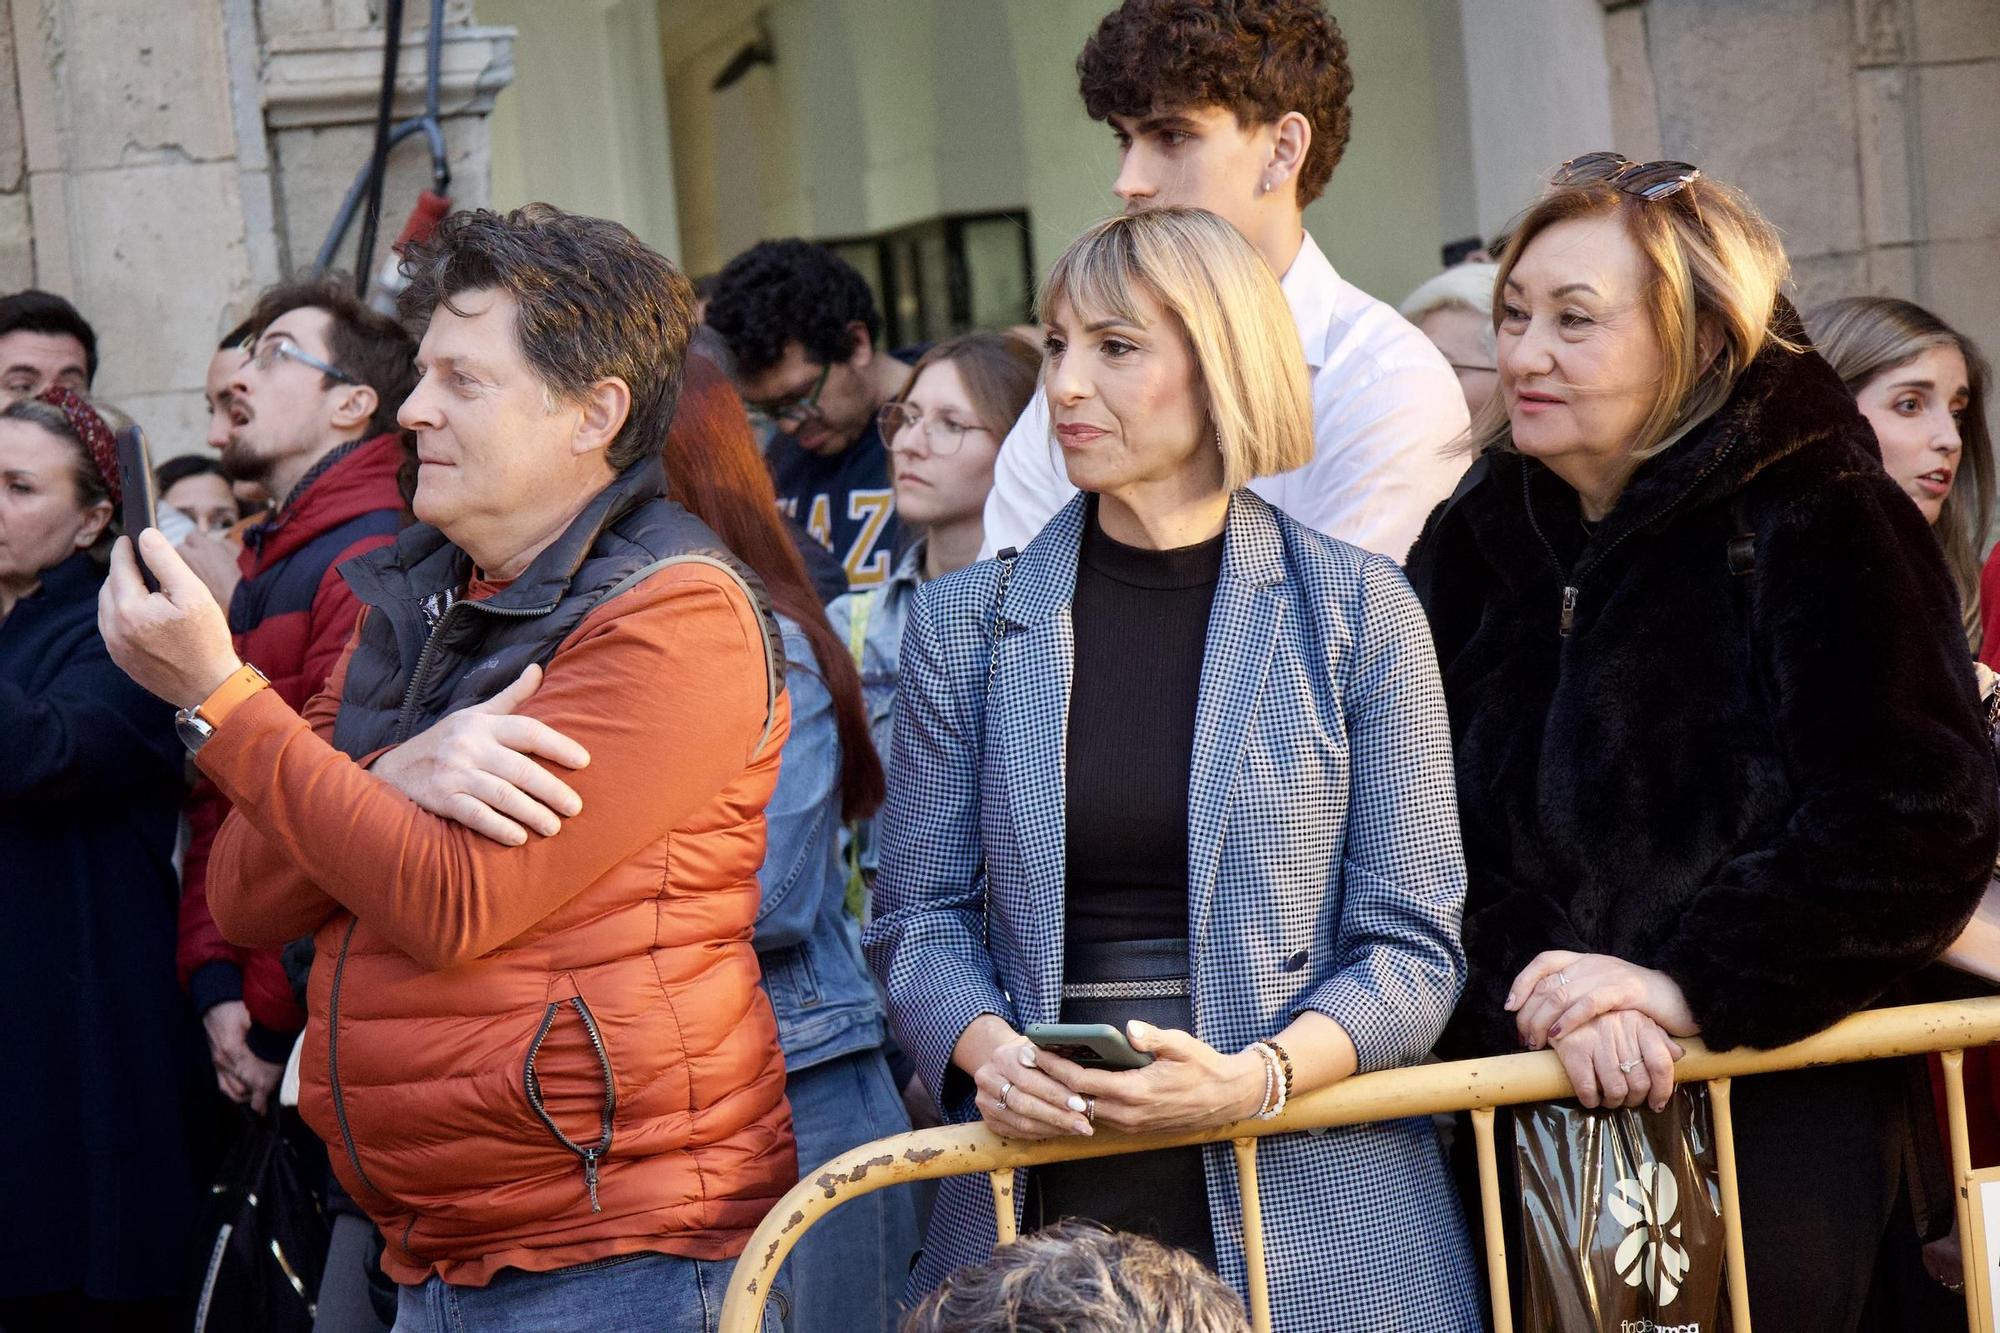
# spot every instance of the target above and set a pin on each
(1075, 1102)
(1555, 1031)
(1028, 1056)
(1082, 1127)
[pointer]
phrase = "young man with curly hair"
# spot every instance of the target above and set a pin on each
(1241, 108)
(802, 329)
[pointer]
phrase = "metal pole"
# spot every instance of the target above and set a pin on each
(1732, 1204)
(1253, 1235)
(1489, 1210)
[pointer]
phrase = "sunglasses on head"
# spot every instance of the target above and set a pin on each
(1641, 180)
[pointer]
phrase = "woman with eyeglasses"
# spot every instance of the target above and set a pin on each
(944, 432)
(1721, 765)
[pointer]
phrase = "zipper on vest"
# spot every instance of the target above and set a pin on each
(333, 1059)
(596, 1152)
(420, 675)
(1569, 611)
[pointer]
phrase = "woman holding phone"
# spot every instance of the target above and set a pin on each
(1181, 765)
(100, 1042)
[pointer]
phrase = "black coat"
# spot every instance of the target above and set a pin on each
(93, 1167)
(1756, 760)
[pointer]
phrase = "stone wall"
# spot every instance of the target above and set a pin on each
(160, 163)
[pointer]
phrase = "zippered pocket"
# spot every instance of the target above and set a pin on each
(594, 1153)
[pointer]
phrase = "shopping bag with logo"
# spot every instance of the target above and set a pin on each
(1621, 1218)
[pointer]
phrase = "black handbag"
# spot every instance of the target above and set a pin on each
(264, 1239)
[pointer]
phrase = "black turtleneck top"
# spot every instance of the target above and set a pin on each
(1141, 622)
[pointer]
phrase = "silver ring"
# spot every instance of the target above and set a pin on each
(1005, 1088)
(1562, 981)
(1627, 1066)
(1090, 1110)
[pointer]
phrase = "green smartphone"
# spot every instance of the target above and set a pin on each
(1092, 1045)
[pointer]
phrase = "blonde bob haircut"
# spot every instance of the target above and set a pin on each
(1714, 267)
(1226, 300)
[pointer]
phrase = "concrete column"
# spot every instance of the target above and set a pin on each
(137, 209)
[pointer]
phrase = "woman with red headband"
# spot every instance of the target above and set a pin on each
(92, 1161)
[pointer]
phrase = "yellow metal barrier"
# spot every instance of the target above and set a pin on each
(1467, 1085)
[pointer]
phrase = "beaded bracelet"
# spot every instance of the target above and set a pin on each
(1274, 1081)
(1270, 1081)
(1284, 1064)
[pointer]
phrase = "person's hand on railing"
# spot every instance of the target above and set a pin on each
(1561, 990)
(1189, 1085)
(1622, 1059)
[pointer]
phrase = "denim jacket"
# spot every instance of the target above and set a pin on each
(809, 946)
(877, 614)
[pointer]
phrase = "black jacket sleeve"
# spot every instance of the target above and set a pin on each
(1874, 710)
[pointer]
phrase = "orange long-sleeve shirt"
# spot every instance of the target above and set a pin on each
(615, 955)
(680, 647)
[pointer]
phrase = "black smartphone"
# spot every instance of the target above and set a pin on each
(142, 507)
(1092, 1045)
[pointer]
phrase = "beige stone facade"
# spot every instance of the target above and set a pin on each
(161, 162)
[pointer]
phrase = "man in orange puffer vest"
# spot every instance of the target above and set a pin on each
(525, 818)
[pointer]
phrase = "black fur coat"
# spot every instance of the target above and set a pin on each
(1756, 760)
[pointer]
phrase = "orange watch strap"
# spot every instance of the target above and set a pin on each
(240, 684)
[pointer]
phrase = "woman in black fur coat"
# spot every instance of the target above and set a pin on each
(1721, 767)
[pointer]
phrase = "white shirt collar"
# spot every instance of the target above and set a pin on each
(1312, 289)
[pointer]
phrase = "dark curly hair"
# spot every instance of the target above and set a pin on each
(1259, 58)
(593, 301)
(778, 292)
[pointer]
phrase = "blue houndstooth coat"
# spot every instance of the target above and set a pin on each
(1325, 874)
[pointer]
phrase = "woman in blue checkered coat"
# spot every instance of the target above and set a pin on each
(1183, 765)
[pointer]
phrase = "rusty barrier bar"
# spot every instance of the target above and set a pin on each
(1465, 1085)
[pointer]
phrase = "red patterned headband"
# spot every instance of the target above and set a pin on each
(96, 436)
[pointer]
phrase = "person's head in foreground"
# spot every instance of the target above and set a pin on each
(1076, 1277)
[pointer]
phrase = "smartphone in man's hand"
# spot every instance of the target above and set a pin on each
(135, 476)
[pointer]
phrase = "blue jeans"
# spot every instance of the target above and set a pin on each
(848, 1273)
(642, 1293)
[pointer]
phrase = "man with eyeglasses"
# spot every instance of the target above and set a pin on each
(308, 411)
(802, 330)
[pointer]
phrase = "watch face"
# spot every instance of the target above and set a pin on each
(194, 732)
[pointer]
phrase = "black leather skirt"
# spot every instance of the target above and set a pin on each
(1159, 1194)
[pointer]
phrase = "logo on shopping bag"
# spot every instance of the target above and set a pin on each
(1649, 1206)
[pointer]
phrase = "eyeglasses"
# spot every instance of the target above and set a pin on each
(265, 355)
(793, 412)
(1468, 370)
(942, 434)
(1642, 180)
